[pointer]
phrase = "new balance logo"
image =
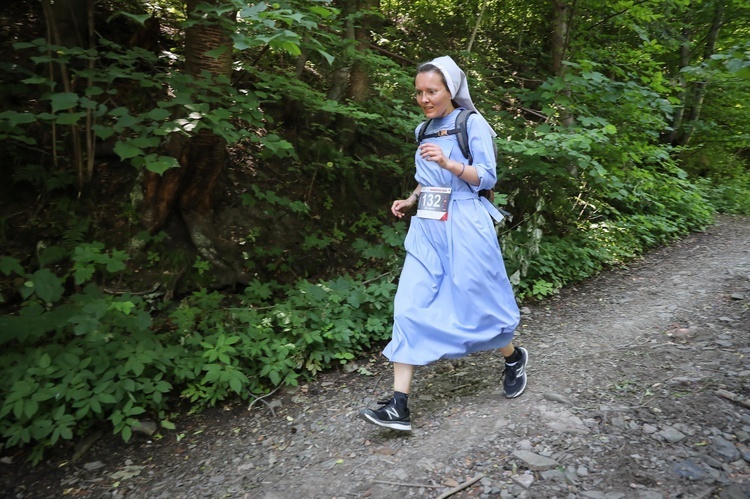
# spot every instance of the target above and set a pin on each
(392, 412)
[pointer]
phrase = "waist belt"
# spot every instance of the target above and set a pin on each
(491, 208)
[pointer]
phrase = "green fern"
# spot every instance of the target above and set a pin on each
(76, 233)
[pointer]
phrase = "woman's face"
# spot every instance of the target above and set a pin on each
(432, 94)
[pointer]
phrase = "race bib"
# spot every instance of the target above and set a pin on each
(433, 203)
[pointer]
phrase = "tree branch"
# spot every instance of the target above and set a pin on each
(617, 14)
(461, 487)
(476, 26)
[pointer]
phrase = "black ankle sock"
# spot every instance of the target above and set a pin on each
(514, 357)
(400, 398)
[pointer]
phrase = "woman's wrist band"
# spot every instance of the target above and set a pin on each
(463, 169)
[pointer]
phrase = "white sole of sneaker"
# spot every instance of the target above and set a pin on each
(393, 425)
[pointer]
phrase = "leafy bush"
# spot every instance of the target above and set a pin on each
(728, 197)
(72, 361)
(77, 360)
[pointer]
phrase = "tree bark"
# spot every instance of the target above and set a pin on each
(476, 26)
(559, 47)
(675, 133)
(359, 81)
(700, 87)
(189, 189)
(351, 82)
(560, 27)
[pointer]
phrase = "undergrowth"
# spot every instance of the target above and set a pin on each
(71, 361)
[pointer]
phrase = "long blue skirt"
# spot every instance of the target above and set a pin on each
(454, 297)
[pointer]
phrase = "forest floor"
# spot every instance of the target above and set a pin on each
(639, 387)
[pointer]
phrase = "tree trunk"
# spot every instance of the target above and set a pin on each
(675, 133)
(560, 27)
(189, 189)
(70, 24)
(340, 76)
(559, 47)
(700, 87)
(352, 82)
(476, 26)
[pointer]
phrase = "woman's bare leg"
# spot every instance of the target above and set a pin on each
(402, 376)
(507, 350)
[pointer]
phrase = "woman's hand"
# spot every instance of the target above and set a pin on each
(432, 152)
(401, 206)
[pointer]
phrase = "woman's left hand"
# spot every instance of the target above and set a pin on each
(432, 152)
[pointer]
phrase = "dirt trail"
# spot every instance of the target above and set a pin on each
(629, 375)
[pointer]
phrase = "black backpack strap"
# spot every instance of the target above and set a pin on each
(422, 130)
(463, 133)
(460, 130)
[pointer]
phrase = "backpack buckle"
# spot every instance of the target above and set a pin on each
(442, 133)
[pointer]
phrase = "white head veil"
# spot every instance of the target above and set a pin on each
(457, 85)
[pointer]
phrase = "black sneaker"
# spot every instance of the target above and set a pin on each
(389, 416)
(515, 375)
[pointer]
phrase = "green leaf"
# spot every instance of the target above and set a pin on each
(83, 273)
(328, 57)
(135, 411)
(41, 428)
(70, 118)
(321, 11)
(95, 405)
(45, 360)
(64, 100)
(126, 150)
(15, 118)
(126, 122)
(145, 142)
(47, 285)
(92, 91)
(84, 325)
(103, 132)
(36, 80)
(291, 47)
(107, 398)
(139, 18)
(236, 385)
(119, 111)
(217, 52)
(252, 11)
(28, 45)
(136, 366)
(242, 42)
(30, 408)
(10, 265)
(212, 374)
(158, 114)
(160, 164)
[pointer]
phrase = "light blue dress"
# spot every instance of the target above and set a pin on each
(454, 297)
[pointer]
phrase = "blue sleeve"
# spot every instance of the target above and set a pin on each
(482, 147)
